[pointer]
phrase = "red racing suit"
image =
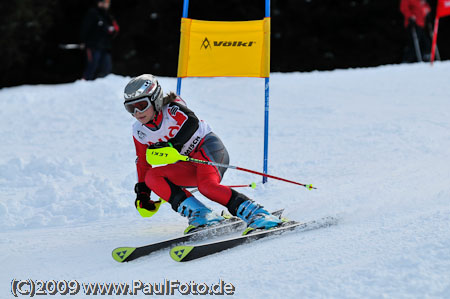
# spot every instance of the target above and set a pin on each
(177, 124)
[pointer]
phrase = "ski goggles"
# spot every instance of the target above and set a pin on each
(140, 105)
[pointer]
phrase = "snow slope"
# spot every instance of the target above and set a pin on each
(375, 142)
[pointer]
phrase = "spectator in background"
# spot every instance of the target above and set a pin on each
(97, 32)
(419, 41)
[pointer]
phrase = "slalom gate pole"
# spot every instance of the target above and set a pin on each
(185, 15)
(434, 45)
(431, 33)
(266, 110)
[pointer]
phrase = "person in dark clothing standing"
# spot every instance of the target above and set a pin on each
(97, 32)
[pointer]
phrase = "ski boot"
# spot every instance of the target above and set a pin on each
(252, 213)
(198, 214)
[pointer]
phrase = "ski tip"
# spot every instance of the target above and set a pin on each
(248, 231)
(120, 254)
(179, 253)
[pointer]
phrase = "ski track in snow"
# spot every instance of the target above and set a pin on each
(375, 142)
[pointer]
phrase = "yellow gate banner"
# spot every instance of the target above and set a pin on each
(224, 49)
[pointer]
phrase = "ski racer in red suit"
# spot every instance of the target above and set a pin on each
(166, 121)
(418, 46)
(416, 10)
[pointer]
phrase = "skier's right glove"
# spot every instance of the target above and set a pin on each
(143, 200)
(145, 206)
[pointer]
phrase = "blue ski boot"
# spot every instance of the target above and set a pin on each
(198, 214)
(256, 217)
(252, 213)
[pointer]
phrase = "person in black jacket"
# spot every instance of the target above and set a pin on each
(97, 32)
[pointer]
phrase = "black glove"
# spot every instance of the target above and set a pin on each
(143, 196)
(160, 145)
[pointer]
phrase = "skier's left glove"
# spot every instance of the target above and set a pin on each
(160, 144)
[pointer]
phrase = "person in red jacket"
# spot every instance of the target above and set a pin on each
(415, 13)
(163, 121)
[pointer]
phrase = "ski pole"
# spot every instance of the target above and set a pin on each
(169, 155)
(251, 185)
(416, 43)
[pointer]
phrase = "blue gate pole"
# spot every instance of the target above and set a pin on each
(266, 129)
(266, 111)
(185, 15)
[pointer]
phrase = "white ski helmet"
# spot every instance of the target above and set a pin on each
(143, 86)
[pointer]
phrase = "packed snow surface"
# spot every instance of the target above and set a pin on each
(375, 142)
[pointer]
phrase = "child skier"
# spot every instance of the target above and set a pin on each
(166, 121)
